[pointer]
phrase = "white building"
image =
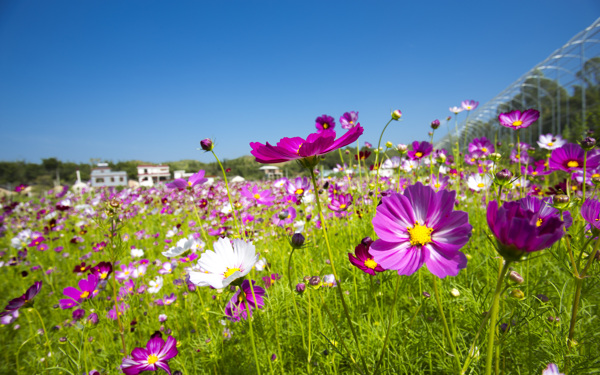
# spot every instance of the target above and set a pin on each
(148, 175)
(103, 176)
(271, 172)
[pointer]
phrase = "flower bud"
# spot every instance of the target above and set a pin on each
(435, 124)
(430, 134)
(596, 180)
(207, 144)
(515, 277)
(426, 295)
(517, 294)
(495, 157)
(455, 292)
(561, 201)
(297, 240)
(441, 158)
(389, 144)
(314, 281)
(504, 175)
(588, 143)
(300, 288)
(396, 115)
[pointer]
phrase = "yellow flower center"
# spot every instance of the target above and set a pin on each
(572, 164)
(342, 206)
(299, 191)
(84, 294)
(419, 154)
(517, 123)
(437, 185)
(538, 223)
(596, 175)
(419, 234)
(126, 272)
(189, 183)
(484, 149)
(370, 263)
(230, 271)
(82, 269)
(550, 144)
(103, 275)
(152, 359)
(325, 126)
(256, 196)
(480, 185)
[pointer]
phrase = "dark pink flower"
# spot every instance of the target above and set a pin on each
(363, 259)
(569, 158)
(324, 122)
(420, 150)
(236, 309)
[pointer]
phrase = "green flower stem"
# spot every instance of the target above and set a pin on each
(200, 221)
(359, 167)
(121, 333)
(237, 224)
(579, 285)
(584, 170)
(387, 333)
(493, 318)
(45, 332)
(250, 326)
(335, 327)
(446, 329)
(377, 159)
(335, 275)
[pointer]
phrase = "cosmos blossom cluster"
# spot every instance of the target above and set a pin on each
(195, 244)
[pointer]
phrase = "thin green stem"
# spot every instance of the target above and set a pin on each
(493, 318)
(45, 332)
(250, 326)
(387, 332)
(446, 329)
(237, 224)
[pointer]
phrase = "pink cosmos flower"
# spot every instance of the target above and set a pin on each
(363, 260)
(156, 355)
(195, 179)
(570, 157)
(349, 120)
(420, 227)
(469, 105)
(517, 119)
(481, 147)
(260, 197)
(305, 150)
(420, 150)
(87, 290)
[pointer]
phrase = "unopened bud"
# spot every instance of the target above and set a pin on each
(495, 157)
(515, 277)
(314, 281)
(517, 294)
(435, 124)
(396, 115)
(455, 292)
(207, 144)
(300, 288)
(297, 240)
(561, 201)
(389, 144)
(504, 175)
(588, 143)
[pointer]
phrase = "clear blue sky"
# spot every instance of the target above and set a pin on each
(147, 80)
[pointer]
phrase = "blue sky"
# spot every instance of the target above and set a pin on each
(147, 80)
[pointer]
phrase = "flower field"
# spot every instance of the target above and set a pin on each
(426, 262)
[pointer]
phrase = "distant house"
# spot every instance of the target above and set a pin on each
(271, 172)
(148, 175)
(103, 176)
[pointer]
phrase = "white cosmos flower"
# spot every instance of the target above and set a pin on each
(478, 182)
(225, 264)
(155, 285)
(181, 247)
(137, 253)
(551, 142)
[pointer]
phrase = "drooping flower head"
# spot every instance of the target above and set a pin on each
(517, 119)
(349, 120)
(420, 227)
(25, 300)
(236, 307)
(303, 150)
(469, 105)
(225, 264)
(569, 158)
(551, 142)
(324, 122)
(155, 355)
(520, 230)
(363, 259)
(420, 150)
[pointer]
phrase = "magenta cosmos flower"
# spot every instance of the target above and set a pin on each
(155, 355)
(324, 122)
(297, 148)
(87, 291)
(517, 119)
(523, 226)
(363, 259)
(195, 179)
(420, 150)
(570, 157)
(257, 196)
(420, 227)
(236, 308)
(480, 147)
